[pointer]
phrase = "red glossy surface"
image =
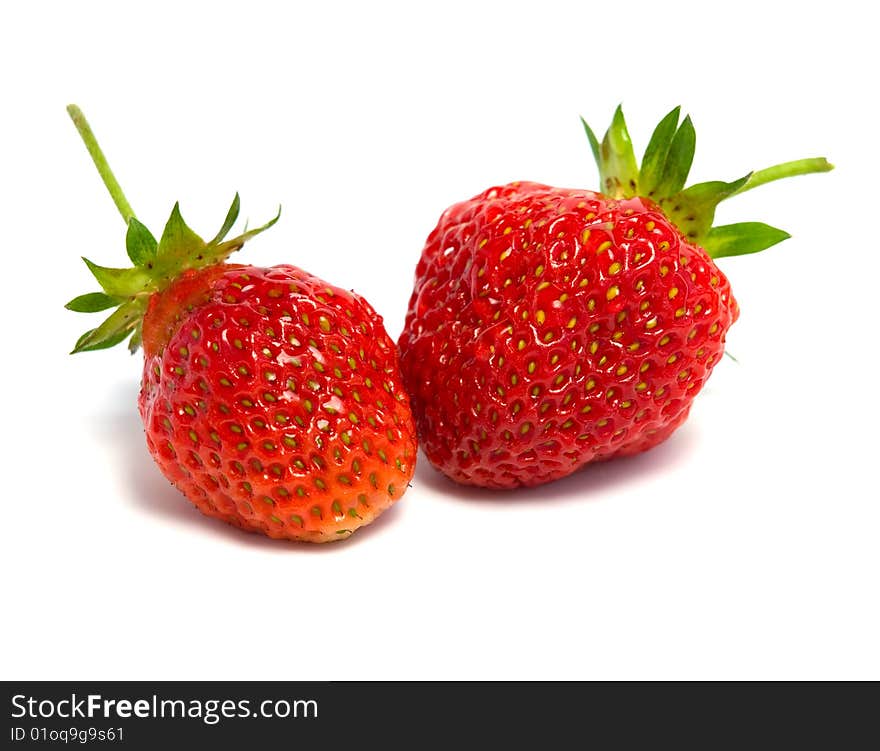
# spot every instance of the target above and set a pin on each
(272, 400)
(549, 328)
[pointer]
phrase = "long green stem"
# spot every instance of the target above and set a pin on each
(88, 137)
(786, 169)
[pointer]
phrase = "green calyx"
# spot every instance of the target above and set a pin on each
(155, 264)
(663, 175)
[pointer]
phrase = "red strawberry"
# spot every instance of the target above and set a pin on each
(549, 328)
(270, 398)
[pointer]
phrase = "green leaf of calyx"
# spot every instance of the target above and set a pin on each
(231, 216)
(618, 170)
(679, 159)
(741, 239)
(121, 282)
(178, 241)
(114, 329)
(693, 209)
(594, 143)
(225, 248)
(137, 338)
(92, 302)
(651, 172)
(140, 243)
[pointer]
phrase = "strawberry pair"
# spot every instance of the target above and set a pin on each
(547, 328)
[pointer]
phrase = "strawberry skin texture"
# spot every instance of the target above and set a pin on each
(272, 400)
(549, 328)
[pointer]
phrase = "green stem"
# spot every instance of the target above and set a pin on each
(88, 137)
(787, 169)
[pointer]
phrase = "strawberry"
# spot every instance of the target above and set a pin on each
(271, 399)
(549, 328)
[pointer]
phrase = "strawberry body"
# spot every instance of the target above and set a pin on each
(549, 328)
(272, 400)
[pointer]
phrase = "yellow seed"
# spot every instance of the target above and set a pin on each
(604, 246)
(671, 359)
(554, 359)
(540, 317)
(680, 313)
(649, 226)
(484, 242)
(633, 347)
(641, 386)
(664, 341)
(590, 385)
(626, 404)
(652, 323)
(572, 322)
(521, 344)
(531, 367)
(645, 366)
(585, 236)
(614, 268)
(543, 285)
(713, 328)
(505, 254)
(584, 282)
(508, 230)
(594, 347)
(539, 270)
(612, 293)
(621, 370)
(673, 293)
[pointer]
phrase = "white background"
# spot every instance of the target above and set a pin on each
(745, 547)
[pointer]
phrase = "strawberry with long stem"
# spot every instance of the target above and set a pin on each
(269, 397)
